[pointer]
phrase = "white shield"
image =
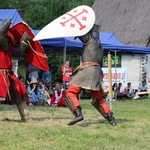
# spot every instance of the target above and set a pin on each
(76, 22)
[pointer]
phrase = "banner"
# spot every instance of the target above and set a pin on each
(114, 60)
(119, 75)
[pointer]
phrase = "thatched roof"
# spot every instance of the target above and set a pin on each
(128, 19)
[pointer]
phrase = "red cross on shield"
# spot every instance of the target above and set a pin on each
(76, 22)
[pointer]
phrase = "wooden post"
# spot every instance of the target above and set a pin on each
(110, 80)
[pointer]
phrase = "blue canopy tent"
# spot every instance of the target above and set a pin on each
(10, 13)
(108, 39)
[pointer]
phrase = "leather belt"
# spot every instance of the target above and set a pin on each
(85, 65)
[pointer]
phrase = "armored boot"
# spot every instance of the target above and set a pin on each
(23, 111)
(78, 116)
(77, 112)
(109, 116)
(111, 119)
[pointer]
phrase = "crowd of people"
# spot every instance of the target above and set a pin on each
(40, 90)
(119, 92)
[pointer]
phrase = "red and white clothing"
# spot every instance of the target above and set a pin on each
(57, 98)
(66, 69)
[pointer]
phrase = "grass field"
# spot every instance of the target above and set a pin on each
(49, 129)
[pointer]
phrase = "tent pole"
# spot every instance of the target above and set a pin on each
(110, 80)
(64, 52)
(115, 76)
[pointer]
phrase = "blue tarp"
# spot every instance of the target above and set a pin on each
(108, 39)
(10, 13)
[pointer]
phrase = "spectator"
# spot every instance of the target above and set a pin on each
(142, 88)
(58, 96)
(128, 91)
(42, 94)
(114, 92)
(32, 91)
(22, 80)
(120, 92)
(46, 78)
(66, 74)
(33, 72)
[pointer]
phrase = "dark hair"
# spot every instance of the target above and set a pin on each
(57, 83)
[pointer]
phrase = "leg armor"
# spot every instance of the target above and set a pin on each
(23, 111)
(76, 111)
(108, 116)
(99, 108)
(67, 101)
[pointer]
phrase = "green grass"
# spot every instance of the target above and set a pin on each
(49, 129)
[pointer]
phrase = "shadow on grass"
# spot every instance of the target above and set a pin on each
(91, 122)
(35, 119)
(12, 120)
(84, 123)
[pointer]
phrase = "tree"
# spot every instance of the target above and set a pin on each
(56, 61)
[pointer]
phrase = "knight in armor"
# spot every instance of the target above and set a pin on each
(12, 91)
(89, 77)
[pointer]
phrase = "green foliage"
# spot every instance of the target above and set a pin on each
(38, 13)
(56, 60)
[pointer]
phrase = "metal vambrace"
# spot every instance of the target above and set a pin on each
(23, 47)
(23, 111)
(95, 31)
(68, 102)
(4, 27)
(96, 105)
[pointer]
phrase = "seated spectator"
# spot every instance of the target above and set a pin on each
(142, 88)
(46, 77)
(43, 95)
(120, 92)
(57, 97)
(32, 91)
(114, 92)
(33, 71)
(22, 80)
(128, 91)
